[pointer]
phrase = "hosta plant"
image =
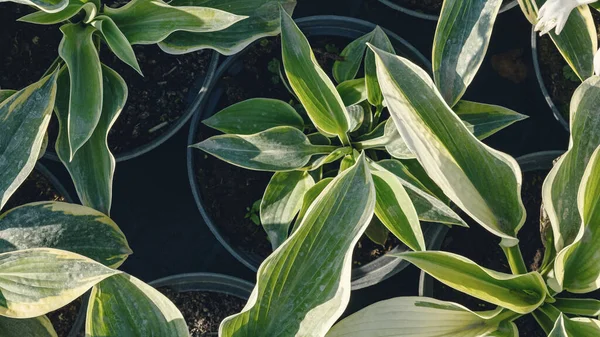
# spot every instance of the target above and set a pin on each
(308, 146)
(51, 253)
(87, 96)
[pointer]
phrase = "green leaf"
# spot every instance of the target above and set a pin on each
(318, 161)
(396, 146)
(151, 21)
(116, 41)
(70, 227)
(48, 6)
(483, 182)
(25, 116)
(578, 306)
(484, 120)
(352, 91)
(36, 281)
(281, 202)
(529, 9)
(561, 186)
(5, 94)
(377, 232)
(461, 41)
(396, 211)
(428, 207)
(92, 167)
(356, 115)
(419, 317)
(125, 306)
(519, 293)
(576, 268)
(345, 70)
(381, 41)
(263, 20)
(575, 327)
(44, 18)
(85, 100)
(311, 84)
(37, 326)
(320, 247)
(283, 148)
(255, 115)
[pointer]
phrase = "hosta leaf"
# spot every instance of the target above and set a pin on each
(85, 100)
(381, 41)
(283, 148)
(352, 91)
(578, 306)
(48, 6)
(151, 21)
(5, 94)
(396, 146)
(37, 326)
(576, 268)
(320, 160)
(311, 84)
(36, 281)
(485, 183)
(519, 293)
(25, 116)
(125, 306)
(281, 202)
(561, 186)
(116, 41)
(93, 166)
(396, 211)
(356, 115)
(309, 197)
(461, 40)
(529, 9)
(377, 232)
(419, 317)
(320, 247)
(45, 18)
(263, 20)
(575, 327)
(352, 57)
(484, 120)
(70, 227)
(255, 115)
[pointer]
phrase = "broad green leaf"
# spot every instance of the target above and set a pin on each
(352, 91)
(309, 197)
(519, 293)
(578, 306)
(44, 18)
(311, 84)
(92, 167)
(575, 327)
(36, 281)
(529, 9)
(419, 317)
(125, 306)
(25, 116)
(381, 41)
(85, 99)
(255, 115)
(345, 70)
(35, 327)
(561, 186)
(428, 207)
(461, 41)
(151, 21)
(116, 41)
(318, 161)
(283, 148)
(318, 139)
(396, 146)
(377, 232)
(5, 94)
(484, 120)
(281, 202)
(347, 162)
(283, 304)
(576, 268)
(48, 6)
(356, 115)
(70, 227)
(483, 182)
(263, 20)
(396, 211)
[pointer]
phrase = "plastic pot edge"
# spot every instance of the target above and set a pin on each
(220, 283)
(432, 17)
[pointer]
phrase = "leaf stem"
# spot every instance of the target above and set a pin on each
(515, 259)
(344, 139)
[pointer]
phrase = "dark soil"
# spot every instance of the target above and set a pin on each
(204, 311)
(227, 190)
(35, 188)
(482, 247)
(28, 50)
(64, 318)
(560, 80)
(426, 6)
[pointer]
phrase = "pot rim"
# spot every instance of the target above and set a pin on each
(432, 17)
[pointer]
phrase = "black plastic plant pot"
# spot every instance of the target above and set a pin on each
(418, 14)
(528, 163)
(538, 74)
(206, 282)
(195, 100)
(335, 26)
